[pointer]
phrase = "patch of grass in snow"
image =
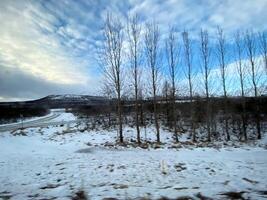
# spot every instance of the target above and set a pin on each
(119, 186)
(50, 186)
(234, 195)
(80, 195)
(19, 132)
(180, 167)
(5, 195)
(263, 193)
(86, 150)
(250, 181)
(202, 197)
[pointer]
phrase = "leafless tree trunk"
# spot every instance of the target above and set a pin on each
(110, 55)
(166, 94)
(172, 52)
(134, 36)
(107, 91)
(251, 53)
(141, 99)
(221, 55)
(239, 51)
(263, 46)
(152, 56)
(188, 60)
(205, 56)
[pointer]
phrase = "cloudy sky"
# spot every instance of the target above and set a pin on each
(48, 47)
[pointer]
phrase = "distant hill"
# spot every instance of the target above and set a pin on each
(60, 101)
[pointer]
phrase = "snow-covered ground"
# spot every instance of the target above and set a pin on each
(58, 161)
(62, 115)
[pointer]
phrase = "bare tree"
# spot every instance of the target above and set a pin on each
(221, 50)
(110, 56)
(134, 37)
(239, 51)
(251, 53)
(205, 56)
(152, 56)
(172, 52)
(241, 73)
(188, 56)
(263, 47)
(221, 53)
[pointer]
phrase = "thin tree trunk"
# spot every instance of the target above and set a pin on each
(205, 54)
(221, 55)
(174, 117)
(188, 59)
(134, 31)
(120, 118)
(137, 115)
(241, 78)
(172, 51)
(151, 47)
(155, 110)
(251, 52)
(110, 56)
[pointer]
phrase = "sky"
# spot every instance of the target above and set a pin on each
(49, 47)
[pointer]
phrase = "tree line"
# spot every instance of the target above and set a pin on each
(128, 48)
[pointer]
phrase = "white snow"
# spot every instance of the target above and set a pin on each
(63, 116)
(57, 161)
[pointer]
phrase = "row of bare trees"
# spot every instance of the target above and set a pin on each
(135, 45)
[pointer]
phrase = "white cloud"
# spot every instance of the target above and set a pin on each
(25, 46)
(55, 40)
(208, 14)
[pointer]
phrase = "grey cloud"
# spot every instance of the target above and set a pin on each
(17, 84)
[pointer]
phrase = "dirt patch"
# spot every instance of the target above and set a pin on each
(234, 195)
(226, 182)
(50, 186)
(263, 192)
(121, 167)
(184, 198)
(59, 164)
(180, 167)
(86, 150)
(166, 187)
(19, 133)
(5, 195)
(119, 186)
(80, 195)
(180, 188)
(250, 181)
(202, 197)
(33, 196)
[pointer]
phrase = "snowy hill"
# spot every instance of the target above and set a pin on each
(69, 100)
(60, 101)
(74, 97)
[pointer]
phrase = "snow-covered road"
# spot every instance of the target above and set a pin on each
(55, 117)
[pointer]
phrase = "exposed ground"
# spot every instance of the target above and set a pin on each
(70, 162)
